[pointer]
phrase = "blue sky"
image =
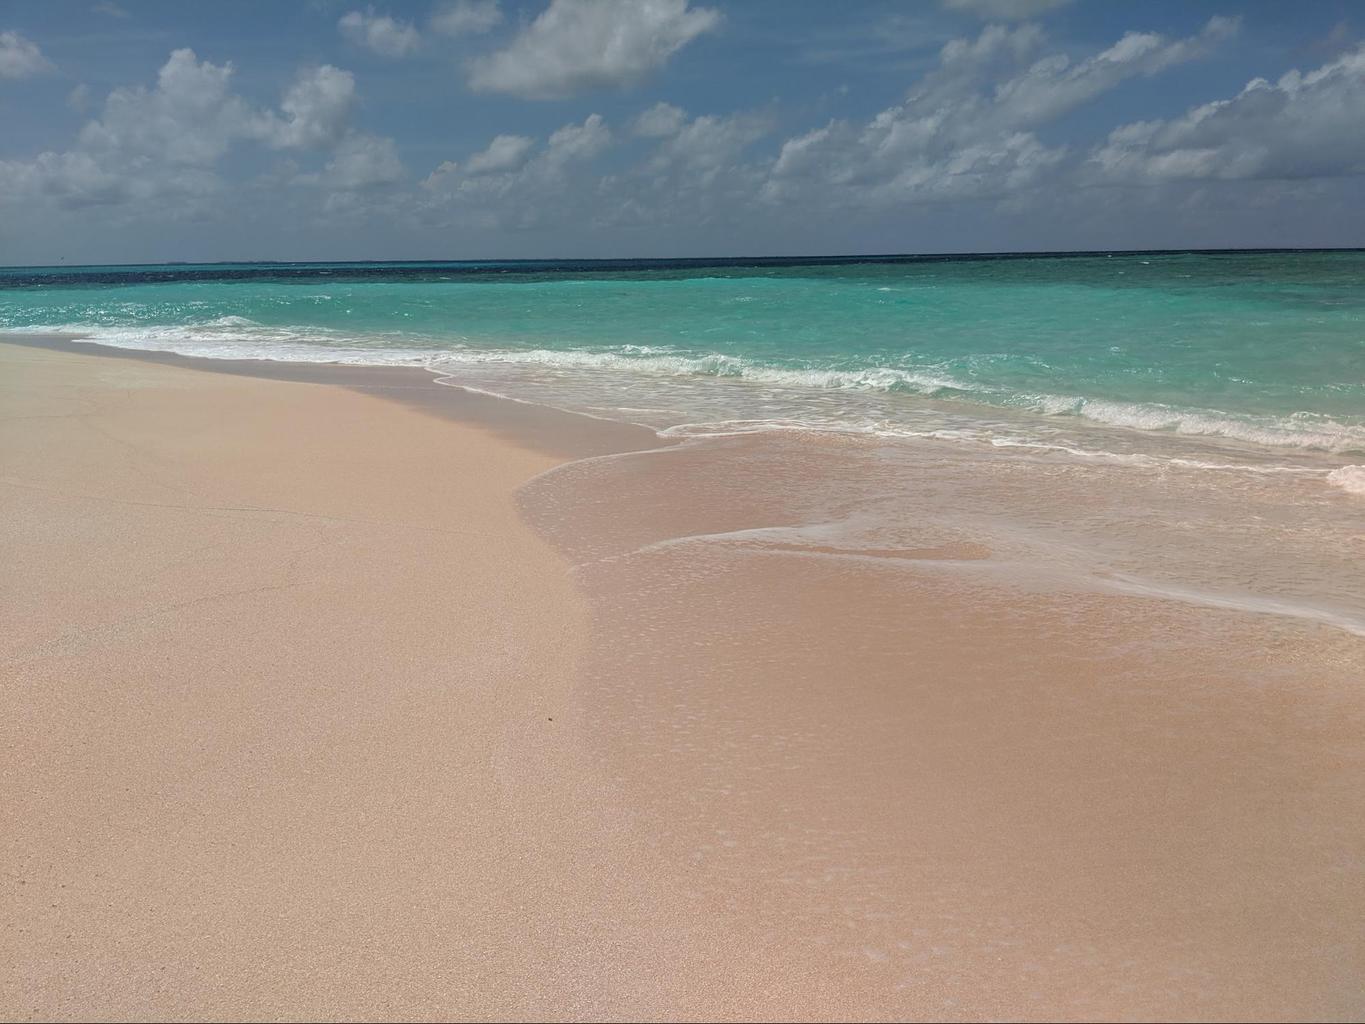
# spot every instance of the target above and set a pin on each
(146, 131)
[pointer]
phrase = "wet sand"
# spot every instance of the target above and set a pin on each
(970, 789)
(319, 705)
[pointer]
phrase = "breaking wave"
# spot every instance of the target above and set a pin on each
(235, 337)
(1350, 479)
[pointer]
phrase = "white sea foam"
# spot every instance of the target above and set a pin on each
(641, 359)
(233, 337)
(1243, 602)
(1350, 479)
(1154, 461)
(1299, 430)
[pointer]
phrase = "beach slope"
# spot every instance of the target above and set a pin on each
(300, 719)
(287, 718)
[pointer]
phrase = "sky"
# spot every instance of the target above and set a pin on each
(163, 130)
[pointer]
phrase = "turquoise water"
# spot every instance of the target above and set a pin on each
(1261, 349)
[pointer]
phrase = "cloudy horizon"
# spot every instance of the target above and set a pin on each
(591, 128)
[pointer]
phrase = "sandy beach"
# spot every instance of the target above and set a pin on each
(682, 510)
(289, 725)
(313, 709)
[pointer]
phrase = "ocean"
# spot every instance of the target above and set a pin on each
(1183, 425)
(1266, 348)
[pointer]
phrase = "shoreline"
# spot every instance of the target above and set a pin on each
(558, 432)
(805, 775)
(571, 436)
(1134, 430)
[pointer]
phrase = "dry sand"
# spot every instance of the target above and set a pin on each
(301, 721)
(288, 719)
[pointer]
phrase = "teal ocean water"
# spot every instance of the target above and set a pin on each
(1184, 426)
(1264, 351)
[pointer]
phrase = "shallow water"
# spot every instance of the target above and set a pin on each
(1265, 348)
(985, 733)
(1189, 425)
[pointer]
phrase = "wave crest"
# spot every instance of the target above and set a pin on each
(1298, 430)
(1350, 479)
(234, 337)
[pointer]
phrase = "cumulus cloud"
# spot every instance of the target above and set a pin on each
(314, 111)
(1302, 126)
(514, 185)
(967, 129)
(980, 128)
(659, 121)
(1050, 85)
(504, 153)
(189, 117)
(695, 170)
(699, 171)
(74, 179)
(466, 17)
(577, 45)
(1005, 10)
(361, 162)
(20, 57)
(157, 141)
(192, 116)
(379, 33)
(579, 141)
(165, 140)
(509, 158)
(703, 147)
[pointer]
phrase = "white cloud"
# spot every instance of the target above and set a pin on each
(1303, 126)
(108, 7)
(72, 178)
(706, 146)
(504, 153)
(165, 140)
(20, 57)
(508, 159)
(577, 45)
(315, 110)
(698, 172)
(361, 162)
(1000, 77)
(579, 141)
(190, 117)
(1054, 85)
(380, 33)
(466, 17)
(659, 121)
(967, 128)
(527, 191)
(1005, 10)
(148, 142)
(976, 130)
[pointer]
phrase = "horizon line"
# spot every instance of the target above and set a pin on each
(703, 260)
